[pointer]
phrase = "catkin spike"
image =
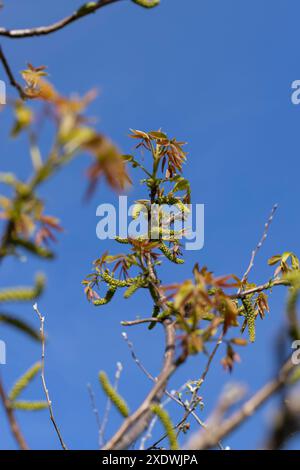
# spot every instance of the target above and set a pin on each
(168, 254)
(147, 3)
(23, 294)
(33, 248)
(108, 296)
(24, 381)
(29, 405)
(109, 279)
(123, 241)
(250, 317)
(115, 398)
(155, 314)
(131, 290)
(295, 376)
(165, 420)
(136, 210)
(20, 325)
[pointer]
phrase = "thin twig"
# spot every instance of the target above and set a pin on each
(140, 321)
(84, 10)
(10, 75)
(259, 245)
(195, 399)
(94, 406)
(42, 321)
(170, 395)
(136, 423)
(204, 440)
(268, 285)
(14, 426)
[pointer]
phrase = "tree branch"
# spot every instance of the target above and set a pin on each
(203, 440)
(42, 322)
(84, 10)
(15, 429)
(135, 424)
(10, 75)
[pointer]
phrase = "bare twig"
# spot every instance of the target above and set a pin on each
(135, 424)
(15, 429)
(10, 75)
(259, 245)
(94, 406)
(204, 440)
(84, 10)
(171, 395)
(108, 406)
(268, 285)
(42, 321)
(140, 321)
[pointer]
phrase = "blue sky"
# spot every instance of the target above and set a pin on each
(215, 73)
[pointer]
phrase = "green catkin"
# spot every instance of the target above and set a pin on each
(113, 395)
(131, 290)
(33, 249)
(137, 209)
(295, 376)
(147, 3)
(23, 294)
(250, 317)
(123, 241)
(24, 381)
(165, 420)
(29, 405)
(104, 300)
(168, 254)
(155, 314)
(20, 325)
(109, 279)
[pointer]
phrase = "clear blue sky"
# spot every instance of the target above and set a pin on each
(216, 73)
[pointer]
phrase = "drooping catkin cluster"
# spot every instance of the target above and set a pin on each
(23, 294)
(250, 317)
(112, 281)
(113, 395)
(165, 420)
(108, 296)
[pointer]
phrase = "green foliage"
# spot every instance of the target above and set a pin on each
(165, 420)
(113, 395)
